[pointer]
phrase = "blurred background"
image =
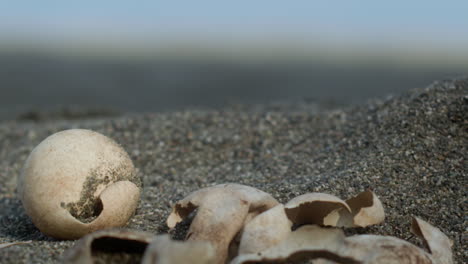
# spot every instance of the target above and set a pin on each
(101, 57)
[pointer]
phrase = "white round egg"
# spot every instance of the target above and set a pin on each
(78, 181)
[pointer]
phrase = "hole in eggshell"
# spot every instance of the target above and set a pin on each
(89, 206)
(310, 212)
(180, 231)
(117, 250)
(93, 211)
(97, 208)
(364, 199)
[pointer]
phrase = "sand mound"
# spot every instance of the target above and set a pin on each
(410, 150)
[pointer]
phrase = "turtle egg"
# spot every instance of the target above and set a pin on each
(78, 181)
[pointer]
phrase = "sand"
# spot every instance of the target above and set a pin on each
(410, 150)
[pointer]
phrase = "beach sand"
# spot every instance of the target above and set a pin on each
(410, 150)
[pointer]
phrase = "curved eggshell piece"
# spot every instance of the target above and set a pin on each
(315, 208)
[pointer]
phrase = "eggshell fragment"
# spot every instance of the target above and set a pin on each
(328, 245)
(265, 230)
(438, 243)
(233, 250)
(372, 249)
(163, 250)
(110, 240)
(315, 208)
(222, 210)
(78, 181)
(366, 210)
(307, 242)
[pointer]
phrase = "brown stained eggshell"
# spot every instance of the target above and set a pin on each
(78, 181)
(315, 208)
(222, 211)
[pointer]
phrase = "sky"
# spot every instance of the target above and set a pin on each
(442, 24)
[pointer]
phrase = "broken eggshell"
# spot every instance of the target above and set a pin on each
(164, 250)
(315, 208)
(366, 210)
(110, 240)
(329, 245)
(122, 245)
(265, 230)
(438, 244)
(78, 181)
(222, 211)
(374, 249)
(306, 242)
